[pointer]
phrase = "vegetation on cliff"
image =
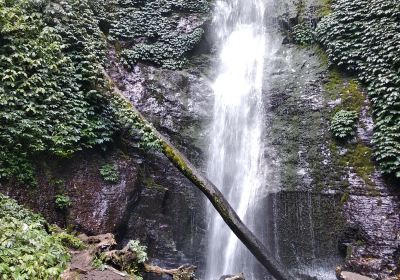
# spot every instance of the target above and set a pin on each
(54, 99)
(363, 37)
(51, 92)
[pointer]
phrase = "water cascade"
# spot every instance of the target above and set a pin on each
(235, 162)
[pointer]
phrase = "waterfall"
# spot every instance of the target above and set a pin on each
(235, 158)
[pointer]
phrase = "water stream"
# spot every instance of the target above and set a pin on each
(235, 159)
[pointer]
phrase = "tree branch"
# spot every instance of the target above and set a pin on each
(217, 199)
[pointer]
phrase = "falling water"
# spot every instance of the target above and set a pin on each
(235, 161)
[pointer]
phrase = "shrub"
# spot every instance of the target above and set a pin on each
(63, 202)
(343, 124)
(109, 173)
(139, 250)
(69, 240)
(53, 96)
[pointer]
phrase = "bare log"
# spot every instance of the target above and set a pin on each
(184, 272)
(228, 214)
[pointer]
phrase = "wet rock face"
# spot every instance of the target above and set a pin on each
(373, 249)
(297, 128)
(176, 102)
(96, 206)
(303, 230)
(168, 216)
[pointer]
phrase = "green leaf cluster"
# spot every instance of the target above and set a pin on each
(140, 251)
(343, 124)
(363, 36)
(110, 173)
(69, 241)
(27, 251)
(303, 34)
(63, 201)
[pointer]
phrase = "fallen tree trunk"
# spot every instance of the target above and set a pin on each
(217, 199)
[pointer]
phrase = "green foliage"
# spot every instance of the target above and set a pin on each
(139, 250)
(98, 262)
(129, 120)
(149, 30)
(110, 173)
(50, 91)
(345, 197)
(63, 201)
(27, 251)
(69, 241)
(343, 124)
(303, 34)
(15, 163)
(363, 37)
(141, 256)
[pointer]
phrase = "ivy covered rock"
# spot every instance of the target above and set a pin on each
(51, 97)
(363, 36)
(161, 32)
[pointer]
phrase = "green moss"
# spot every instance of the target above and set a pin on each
(151, 184)
(301, 8)
(335, 82)
(69, 241)
(176, 159)
(360, 158)
(322, 55)
(349, 251)
(345, 197)
(325, 8)
(353, 98)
